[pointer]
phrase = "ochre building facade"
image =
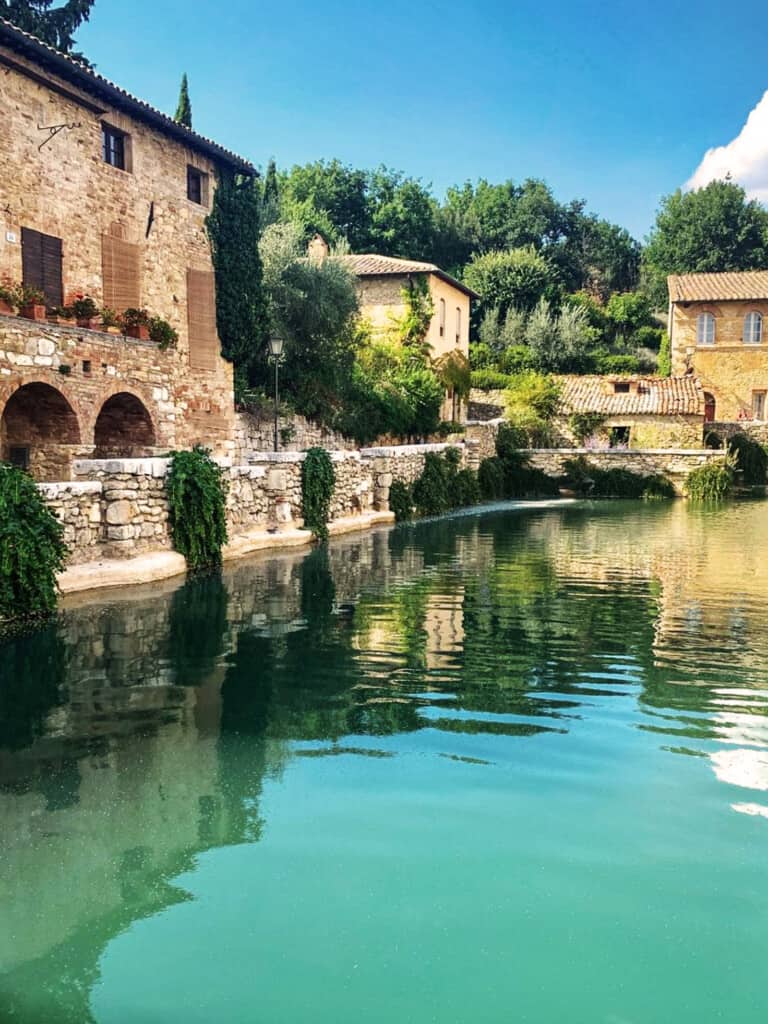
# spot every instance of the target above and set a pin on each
(717, 328)
(101, 195)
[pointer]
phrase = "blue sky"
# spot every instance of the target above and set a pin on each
(615, 103)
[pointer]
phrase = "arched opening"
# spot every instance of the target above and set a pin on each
(123, 429)
(709, 407)
(39, 431)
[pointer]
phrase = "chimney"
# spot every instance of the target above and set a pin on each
(318, 250)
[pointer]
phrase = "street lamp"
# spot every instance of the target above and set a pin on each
(276, 356)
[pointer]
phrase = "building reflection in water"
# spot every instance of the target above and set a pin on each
(135, 735)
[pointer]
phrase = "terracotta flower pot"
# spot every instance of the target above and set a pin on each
(140, 331)
(63, 321)
(33, 312)
(6, 308)
(91, 323)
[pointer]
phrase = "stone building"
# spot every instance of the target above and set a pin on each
(637, 412)
(381, 283)
(716, 330)
(102, 195)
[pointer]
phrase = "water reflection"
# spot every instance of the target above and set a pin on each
(138, 735)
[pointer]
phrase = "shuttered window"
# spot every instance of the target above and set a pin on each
(201, 316)
(120, 269)
(41, 264)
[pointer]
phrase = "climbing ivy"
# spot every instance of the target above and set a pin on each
(32, 548)
(317, 484)
(196, 507)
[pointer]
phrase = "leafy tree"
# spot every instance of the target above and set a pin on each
(665, 357)
(402, 216)
(270, 197)
(711, 229)
(519, 278)
(628, 312)
(453, 372)
(330, 199)
(55, 26)
(532, 401)
(241, 311)
(183, 113)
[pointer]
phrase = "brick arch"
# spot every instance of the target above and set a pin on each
(117, 387)
(39, 428)
(124, 426)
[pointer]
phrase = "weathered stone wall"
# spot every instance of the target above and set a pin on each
(757, 431)
(673, 463)
(78, 505)
(67, 190)
(255, 433)
(729, 370)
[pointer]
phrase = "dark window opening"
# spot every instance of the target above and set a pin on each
(18, 455)
(710, 407)
(621, 387)
(619, 437)
(195, 182)
(41, 257)
(87, 367)
(113, 146)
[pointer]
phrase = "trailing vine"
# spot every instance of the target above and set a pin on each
(196, 507)
(32, 548)
(318, 481)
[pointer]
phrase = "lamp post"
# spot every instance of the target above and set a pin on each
(276, 357)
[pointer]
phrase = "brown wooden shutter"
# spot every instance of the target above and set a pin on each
(121, 274)
(41, 264)
(201, 318)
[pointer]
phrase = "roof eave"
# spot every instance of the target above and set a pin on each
(80, 75)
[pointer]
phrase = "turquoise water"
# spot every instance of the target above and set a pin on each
(503, 767)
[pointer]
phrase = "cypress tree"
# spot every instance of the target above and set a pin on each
(183, 113)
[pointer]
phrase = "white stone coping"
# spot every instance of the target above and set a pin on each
(133, 467)
(51, 491)
(405, 449)
(486, 423)
(622, 453)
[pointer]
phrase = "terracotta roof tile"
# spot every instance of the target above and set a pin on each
(372, 265)
(748, 284)
(647, 396)
(91, 81)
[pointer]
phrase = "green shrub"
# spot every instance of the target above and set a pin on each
(648, 337)
(466, 489)
(585, 424)
(712, 482)
(532, 400)
(713, 440)
(751, 458)
(401, 500)
(431, 492)
(196, 507)
(509, 440)
(658, 488)
(490, 380)
(617, 364)
(664, 366)
(318, 481)
(491, 479)
(32, 549)
(516, 359)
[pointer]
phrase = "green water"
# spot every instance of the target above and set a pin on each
(509, 767)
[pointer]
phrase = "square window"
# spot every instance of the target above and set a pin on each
(621, 387)
(197, 186)
(18, 456)
(113, 146)
(758, 405)
(87, 367)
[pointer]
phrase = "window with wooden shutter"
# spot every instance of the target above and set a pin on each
(201, 318)
(120, 270)
(41, 264)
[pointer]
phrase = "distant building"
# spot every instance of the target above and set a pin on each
(102, 195)
(717, 333)
(381, 283)
(639, 412)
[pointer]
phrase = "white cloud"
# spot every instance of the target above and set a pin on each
(745, 158)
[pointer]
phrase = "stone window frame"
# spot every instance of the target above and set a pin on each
(758, 404)
(194, 172)
(706, 316)
(110, 128)
(754, 317)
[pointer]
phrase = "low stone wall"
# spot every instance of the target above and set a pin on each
(255, 433)
(758, 431)
(118, 508)
(675, 463)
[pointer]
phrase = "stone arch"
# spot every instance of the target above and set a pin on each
(39, 430)
(123, 428)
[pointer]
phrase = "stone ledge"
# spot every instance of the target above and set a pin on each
(403, 449)
(133, 467)
(75, 331)
(623, 452)
(51, 491)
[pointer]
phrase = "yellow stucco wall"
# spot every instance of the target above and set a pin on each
(729, 370)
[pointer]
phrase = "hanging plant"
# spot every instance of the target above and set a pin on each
(32, 549)
(318, 481)
(197, 507)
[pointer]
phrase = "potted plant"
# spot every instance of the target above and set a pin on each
(62, 315)
(31, 302)
(86, 312)
(8, 297)
(161, 332)
(136, 323)
(110, 321)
